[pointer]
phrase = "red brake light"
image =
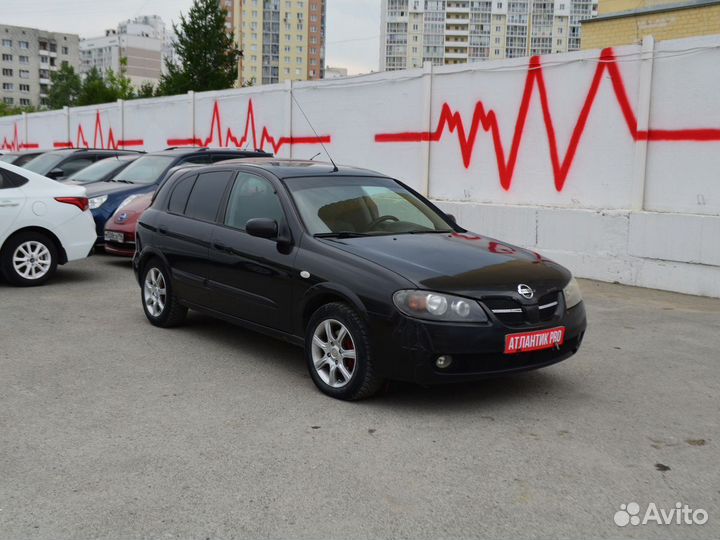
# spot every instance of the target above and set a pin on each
(81, 202)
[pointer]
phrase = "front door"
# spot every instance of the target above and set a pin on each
(251, 277)
(12, 200)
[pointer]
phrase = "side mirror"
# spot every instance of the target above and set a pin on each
(451, 218)
(56, 174)
(262, 228)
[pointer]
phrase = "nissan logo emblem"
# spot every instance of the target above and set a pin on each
(525, 291)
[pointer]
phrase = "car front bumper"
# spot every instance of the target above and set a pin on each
(406, 349)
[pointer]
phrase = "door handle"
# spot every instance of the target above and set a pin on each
(8, 204)
(162, 229)
(220, 246)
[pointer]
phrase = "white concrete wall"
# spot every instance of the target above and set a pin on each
(608, 161)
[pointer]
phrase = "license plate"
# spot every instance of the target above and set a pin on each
(534, 341)
(111, 236)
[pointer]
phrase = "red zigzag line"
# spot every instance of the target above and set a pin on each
(112, 144)
(250, 130)
(15, 145)
(453, 122)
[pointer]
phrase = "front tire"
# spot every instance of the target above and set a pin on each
(159, 302)
(28, 259)
(338, 353)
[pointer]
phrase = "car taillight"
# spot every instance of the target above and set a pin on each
(81, 202)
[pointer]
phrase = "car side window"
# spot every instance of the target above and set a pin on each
(180, 193)
(9, 179)
(72, 166)
(252, 197)
(206, 195)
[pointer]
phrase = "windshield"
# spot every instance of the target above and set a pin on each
(45, 163)
(97, 171)
(362, 206)
(145, 170)
(8, 158)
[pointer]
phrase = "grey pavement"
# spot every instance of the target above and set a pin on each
(111, 428)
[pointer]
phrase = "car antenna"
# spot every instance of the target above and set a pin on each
(316, 155)
(335, 167)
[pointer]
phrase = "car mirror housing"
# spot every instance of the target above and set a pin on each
(452, 219)
(55, 174)
(262, 228)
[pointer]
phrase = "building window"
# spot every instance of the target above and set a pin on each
(24, 74)
(25, 88)
(7, 42)
(8, 100)
(8, 86)
(23, 44)
(24, 59)
(24, 101)
(65, 50)
(7, 57)
(7, 72)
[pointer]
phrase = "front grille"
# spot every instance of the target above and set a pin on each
(513, 313)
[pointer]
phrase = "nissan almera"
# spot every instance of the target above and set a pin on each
(374, 281)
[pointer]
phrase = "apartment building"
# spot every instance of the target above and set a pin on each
(462, 31)
(281, 39)
(623, 22)
(28, 58)
(143, 42)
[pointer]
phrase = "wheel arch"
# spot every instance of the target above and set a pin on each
(62, 255)
(145, 256)
(326, 293)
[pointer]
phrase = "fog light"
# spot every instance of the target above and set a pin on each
(444, 361)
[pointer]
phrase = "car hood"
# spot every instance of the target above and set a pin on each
(97, 189)
(131, 212)
(466, 264)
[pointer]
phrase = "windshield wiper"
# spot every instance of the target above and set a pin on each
(121, 181)
(341, 234)
(427, 231)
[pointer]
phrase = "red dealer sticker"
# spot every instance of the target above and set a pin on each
(534, 341)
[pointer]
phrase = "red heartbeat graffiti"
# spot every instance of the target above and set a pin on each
(250, 130)
(15, 145)
(112, 144)
(453, 122)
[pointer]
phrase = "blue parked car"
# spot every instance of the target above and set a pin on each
(144, 176)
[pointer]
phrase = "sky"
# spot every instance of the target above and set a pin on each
(353, 26)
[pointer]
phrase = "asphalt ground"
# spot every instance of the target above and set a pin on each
(112, 428)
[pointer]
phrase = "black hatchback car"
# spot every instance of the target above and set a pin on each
(370, 277)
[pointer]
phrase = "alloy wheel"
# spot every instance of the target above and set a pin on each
(155, 292)
(32, 260)
(333, 353)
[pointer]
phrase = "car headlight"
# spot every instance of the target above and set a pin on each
(572, 294)
(128, 200)
(97, 202)
(435, 306)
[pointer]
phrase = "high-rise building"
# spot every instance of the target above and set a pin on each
(28, 58)
(143, 42)
(281, 39)
(623, 22)
(461, 31)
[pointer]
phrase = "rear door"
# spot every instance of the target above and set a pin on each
(185, 230)
(251, 277)
(12, 200)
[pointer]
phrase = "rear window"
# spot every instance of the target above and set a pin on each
(204, 201)
(180, 194)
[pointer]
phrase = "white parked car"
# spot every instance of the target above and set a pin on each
(43, 223)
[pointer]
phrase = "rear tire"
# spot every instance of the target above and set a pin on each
(159, 302)
(28, 259)
(338, 353)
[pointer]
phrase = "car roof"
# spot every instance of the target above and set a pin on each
(299, 168)
(68, 151)
(24, 152)
(190, 150)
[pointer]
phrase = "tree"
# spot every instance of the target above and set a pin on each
(10, 110)
(105, 88)
(65, 89)
(208, 56)
(146, 90)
